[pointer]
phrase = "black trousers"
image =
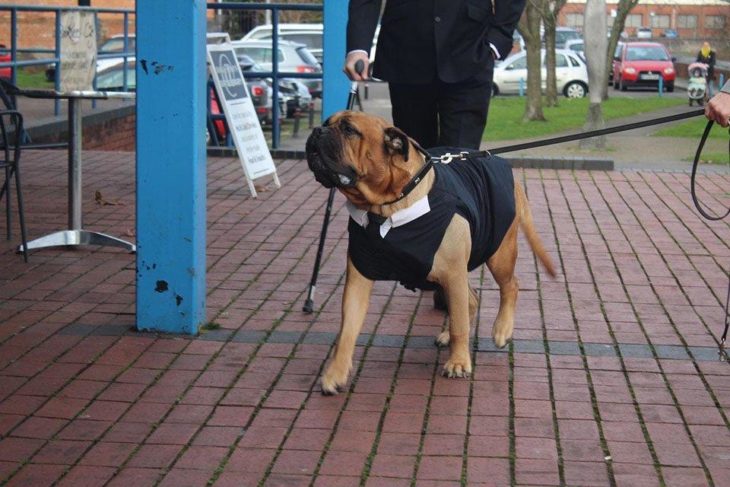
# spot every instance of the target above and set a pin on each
(443, 114)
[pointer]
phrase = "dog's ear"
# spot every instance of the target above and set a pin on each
(396, 142)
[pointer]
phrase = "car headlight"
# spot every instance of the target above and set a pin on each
(629, 70)
(668, 70)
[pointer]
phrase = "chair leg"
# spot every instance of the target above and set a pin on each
(21, 217)
(8, 209)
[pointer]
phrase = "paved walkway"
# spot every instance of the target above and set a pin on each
(612, 378)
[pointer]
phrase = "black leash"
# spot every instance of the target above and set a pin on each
(722, 352)
(448, 157)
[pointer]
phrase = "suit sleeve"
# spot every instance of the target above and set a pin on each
(362, 20)
(507, 14)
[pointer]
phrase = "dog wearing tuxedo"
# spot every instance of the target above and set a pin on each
(424, 223)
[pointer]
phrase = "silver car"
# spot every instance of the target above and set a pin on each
(292, 58)
(510, 76)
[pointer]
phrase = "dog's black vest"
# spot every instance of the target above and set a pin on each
(481, 189)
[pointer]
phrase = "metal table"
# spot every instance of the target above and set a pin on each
(75, 235)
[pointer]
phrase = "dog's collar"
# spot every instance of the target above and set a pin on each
(411, 185)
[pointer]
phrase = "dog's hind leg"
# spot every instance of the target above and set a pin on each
(502, 265)
(354, 308)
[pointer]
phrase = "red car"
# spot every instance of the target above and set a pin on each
(643, 64)
(6, 72)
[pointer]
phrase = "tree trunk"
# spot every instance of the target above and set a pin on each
(531, 34)
(551, 89)
(623, 8)
(595, 49)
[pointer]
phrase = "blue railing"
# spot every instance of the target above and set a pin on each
(53, 55)
(275, 74)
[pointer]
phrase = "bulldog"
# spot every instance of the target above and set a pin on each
(416, 219)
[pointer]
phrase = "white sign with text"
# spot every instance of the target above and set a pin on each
(240, 114)
(78, 50)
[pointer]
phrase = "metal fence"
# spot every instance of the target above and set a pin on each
(51, 57)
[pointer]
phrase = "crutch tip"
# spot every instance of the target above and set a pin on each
(308, 306)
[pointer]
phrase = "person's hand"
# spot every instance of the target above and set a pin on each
(718, 109)
(349, 68)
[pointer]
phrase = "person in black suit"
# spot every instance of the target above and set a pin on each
(438, 58)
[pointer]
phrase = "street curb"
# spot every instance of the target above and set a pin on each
(517, 162)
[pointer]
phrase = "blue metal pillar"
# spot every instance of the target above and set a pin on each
(171, 163)
(336, 86)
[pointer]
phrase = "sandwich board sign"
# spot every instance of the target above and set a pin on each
(78, 50)
(240, 114)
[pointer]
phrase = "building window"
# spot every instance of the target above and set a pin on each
(574, 20)
(687, 21)
(660, 21)
(715, 21)
(633, 20)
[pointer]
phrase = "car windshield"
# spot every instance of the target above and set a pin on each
(117, 45)
(646, 53)
(259, 54)
(114, 79)
(307, 56)
(565, 35)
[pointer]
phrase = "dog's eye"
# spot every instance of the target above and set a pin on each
(349, 130)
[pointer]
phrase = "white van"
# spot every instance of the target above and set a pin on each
(308, 34)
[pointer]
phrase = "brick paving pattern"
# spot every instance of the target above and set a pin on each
(612, 377)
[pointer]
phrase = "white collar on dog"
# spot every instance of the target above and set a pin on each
(400, 217)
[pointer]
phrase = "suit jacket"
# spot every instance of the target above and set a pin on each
(421, 40)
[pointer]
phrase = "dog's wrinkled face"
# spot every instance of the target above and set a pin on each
(361, 155)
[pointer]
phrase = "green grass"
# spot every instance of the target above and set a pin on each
(32, 79)
(505, 115)
(693, 130)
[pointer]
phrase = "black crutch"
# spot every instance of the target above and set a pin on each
(309, 303)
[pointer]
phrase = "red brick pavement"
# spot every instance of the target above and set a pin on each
(611, 378)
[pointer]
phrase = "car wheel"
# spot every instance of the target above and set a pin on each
(575, 89)
(615, 83)
(495, 89)
(670, 87)
(622, 86)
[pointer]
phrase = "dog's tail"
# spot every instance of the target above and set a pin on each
(528, 228)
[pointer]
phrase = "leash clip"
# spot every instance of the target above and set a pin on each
(448, 157)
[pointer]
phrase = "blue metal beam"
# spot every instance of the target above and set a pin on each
(171, 164)
(335, 85)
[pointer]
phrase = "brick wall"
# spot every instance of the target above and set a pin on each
(111, 130)
(37, 29)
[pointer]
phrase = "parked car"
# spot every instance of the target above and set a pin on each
(616, 55)
(292, 58)
(5, 57)
(308, 34)
(565, 34)
(570, 71)
(643, 64)
(643, 33)
(109, 54)
(670, 34)
(575, 45)
(293, 95)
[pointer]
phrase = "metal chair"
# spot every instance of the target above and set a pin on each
(11, 133)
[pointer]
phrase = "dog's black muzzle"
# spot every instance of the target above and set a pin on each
(325, 159)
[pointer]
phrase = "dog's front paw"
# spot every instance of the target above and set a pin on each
(457, 367)
(334, 379)
(502, 333)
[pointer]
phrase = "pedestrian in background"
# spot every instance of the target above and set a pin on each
(438, 59)
(707, 55)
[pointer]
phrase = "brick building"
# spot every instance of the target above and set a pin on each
(692, 19)
(36, 29)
